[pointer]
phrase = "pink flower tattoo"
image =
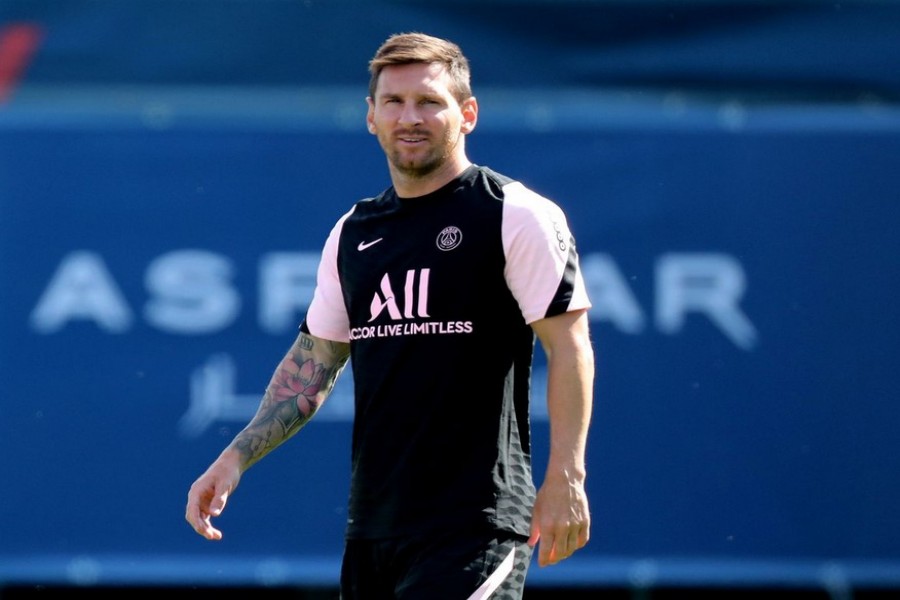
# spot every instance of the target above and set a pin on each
(295, 381)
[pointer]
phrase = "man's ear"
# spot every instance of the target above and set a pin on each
(470, 114)
(370, 116)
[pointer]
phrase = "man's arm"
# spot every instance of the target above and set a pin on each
(561, 518)
(299, 386)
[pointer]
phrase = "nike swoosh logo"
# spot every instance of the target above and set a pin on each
(363, 245)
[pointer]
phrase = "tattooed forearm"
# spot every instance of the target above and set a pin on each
(304, 342)
(301, 382)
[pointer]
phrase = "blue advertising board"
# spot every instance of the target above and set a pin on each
(743, 269)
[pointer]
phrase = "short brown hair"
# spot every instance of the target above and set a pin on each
(411, 48)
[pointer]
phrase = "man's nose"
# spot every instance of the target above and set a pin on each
(410, 114)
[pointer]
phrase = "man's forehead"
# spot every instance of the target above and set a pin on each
(416, 76)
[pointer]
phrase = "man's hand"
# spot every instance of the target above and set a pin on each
(208, 496)
(561, 519)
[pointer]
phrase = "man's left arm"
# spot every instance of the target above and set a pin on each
(561, 519)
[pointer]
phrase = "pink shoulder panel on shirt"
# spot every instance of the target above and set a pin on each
(537, 242)
(327, 315)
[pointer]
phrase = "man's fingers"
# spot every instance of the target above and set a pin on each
(576, 539)
(210, 532)
(202, 524)
(554, 548)
(201, 507)
(535, 536)
(217, 505)
(561, 548)
(546, 550)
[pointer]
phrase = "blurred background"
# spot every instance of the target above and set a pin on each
(169, 170)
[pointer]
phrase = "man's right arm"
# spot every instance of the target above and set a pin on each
(300, 384)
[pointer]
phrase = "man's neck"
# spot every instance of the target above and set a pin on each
(413, 187)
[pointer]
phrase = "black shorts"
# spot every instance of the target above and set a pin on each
(453, 565)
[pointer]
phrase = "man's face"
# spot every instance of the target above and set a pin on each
(418, 122)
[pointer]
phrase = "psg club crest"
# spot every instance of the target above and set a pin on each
(449, 238)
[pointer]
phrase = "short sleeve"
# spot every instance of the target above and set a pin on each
(327, 314)
(542, 268)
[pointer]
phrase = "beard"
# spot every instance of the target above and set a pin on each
(417, 168)
(421, 164)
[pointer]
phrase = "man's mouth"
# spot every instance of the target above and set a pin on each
(413, 138)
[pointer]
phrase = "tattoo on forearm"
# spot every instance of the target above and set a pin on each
(305, 342)
(291, 399)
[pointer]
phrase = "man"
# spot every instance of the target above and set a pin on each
(435, 290)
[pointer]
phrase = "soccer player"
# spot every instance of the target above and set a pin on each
(435, 291)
